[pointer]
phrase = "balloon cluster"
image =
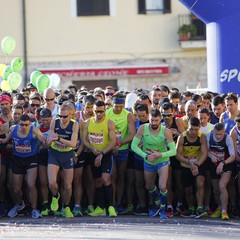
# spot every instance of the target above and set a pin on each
(12, 78)
(43, 81)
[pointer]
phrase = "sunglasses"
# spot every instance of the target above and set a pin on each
(198, 106)
(109, 94)
(35, 105)
(49, 99)
(166, 115)
(99, 111)
(63, 116)
(108, 104)
(24, 124)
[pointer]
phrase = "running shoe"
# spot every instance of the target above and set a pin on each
(77, 211)
(190, 213)
(234, 212)
(90, 209)
(210, 212)
(141, 211)
(67, 212)
(3, 210)
(54, 204)
(169, 212)
(216, 214)
(45, 210)
(153, 211)
(98, 212)
(36, 214)
(181, 210)
(225, 216)
(112, 212)
(201, 213)
(162, 213)
(14, 211)
(130, 209)
(120, 210)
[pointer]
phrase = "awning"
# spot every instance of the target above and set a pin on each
(153, 70)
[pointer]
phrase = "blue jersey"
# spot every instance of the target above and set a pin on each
(24, 146)
(228, 123)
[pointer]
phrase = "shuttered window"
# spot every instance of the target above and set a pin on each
(92, 7)
(154, 6)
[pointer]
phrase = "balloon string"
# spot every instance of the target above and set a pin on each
(6, 58)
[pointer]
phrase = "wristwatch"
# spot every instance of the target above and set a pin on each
(223, 162)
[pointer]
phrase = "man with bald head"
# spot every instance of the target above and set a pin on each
(49, 101)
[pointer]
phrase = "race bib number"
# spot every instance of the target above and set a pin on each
(96, 138)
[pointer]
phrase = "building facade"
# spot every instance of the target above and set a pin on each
(124, 43)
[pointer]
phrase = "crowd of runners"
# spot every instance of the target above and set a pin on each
(156, 152)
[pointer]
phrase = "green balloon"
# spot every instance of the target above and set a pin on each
(33, 77)
(8, 44)
(6, 72)
(17, 64)
(43, 82)
(14, 80)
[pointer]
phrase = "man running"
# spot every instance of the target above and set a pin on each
(99, 137)
(158, 146)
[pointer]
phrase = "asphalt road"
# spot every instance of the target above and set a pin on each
(122, 227)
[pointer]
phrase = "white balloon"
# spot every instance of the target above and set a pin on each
(130, 100)
(55, 80)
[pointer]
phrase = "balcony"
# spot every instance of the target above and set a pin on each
(196, 40)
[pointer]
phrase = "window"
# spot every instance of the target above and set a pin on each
(92, 7)
(154, 6)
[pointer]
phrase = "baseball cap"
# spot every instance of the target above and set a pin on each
(45, 112)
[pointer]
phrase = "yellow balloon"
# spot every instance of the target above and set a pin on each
(5, 85)
(2, 66)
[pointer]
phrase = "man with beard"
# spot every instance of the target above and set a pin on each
(125, 130)
(88, 181)
(192, 153)
(158, 146)
(222, 154)
(35, 103)
(99, 137)
(176, 127)
(191, 111)
(156, 95)
(218, 108)
(5, 116)
(24, 163)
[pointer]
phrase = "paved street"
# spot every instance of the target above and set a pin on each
(122, 227)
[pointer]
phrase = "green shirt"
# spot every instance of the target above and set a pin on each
(121, 125)
(153, 142)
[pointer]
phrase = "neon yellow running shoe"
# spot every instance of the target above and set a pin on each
(112, 212)
(216, 214)
(98, 212)
(90, 209)
(45, 212)
(67, 212)
(54, 204)
(225, 216)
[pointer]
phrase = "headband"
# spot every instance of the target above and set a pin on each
(118, 101)
(5, 98)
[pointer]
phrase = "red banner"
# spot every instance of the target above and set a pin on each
(113, 71)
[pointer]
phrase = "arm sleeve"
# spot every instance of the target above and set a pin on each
(136, 149)
(172, 150)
